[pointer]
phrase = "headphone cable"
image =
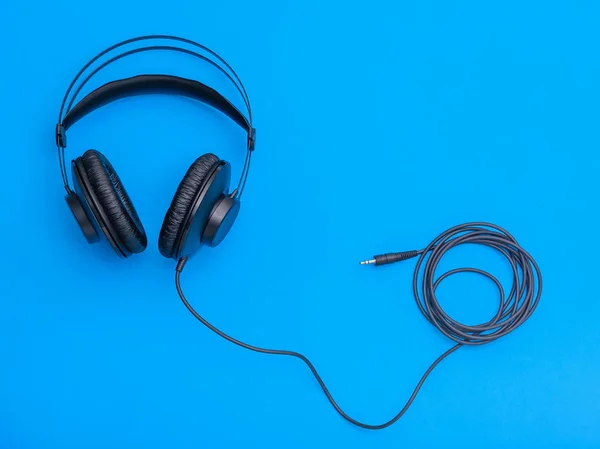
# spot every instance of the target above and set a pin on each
(513, 311)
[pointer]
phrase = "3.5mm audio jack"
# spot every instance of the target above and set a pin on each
(383, 259)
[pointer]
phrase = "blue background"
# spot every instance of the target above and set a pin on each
(380, 124)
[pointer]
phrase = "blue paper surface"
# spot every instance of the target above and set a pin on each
(379, 125)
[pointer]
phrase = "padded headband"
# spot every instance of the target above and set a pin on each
(148, 84)
(153, 84)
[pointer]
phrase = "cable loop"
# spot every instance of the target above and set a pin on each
(514, 308)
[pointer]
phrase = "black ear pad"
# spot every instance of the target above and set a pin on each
(114, 201)
(182, 202)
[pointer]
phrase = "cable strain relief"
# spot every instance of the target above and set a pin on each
(409, 254)
(383, 259)
(181, 264)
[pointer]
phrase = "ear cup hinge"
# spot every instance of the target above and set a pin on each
(61, 136)
(251, 139)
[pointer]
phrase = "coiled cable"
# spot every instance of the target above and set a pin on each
(513, 311)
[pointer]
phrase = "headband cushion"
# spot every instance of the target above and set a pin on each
(114, 200)
(182, 202)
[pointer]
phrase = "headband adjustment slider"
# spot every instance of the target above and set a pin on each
(61, 136)
(251, 139)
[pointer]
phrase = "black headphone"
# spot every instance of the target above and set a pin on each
(203, 209)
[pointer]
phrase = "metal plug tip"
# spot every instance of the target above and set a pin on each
(367, 262)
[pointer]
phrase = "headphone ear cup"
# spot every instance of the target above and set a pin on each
(182, 203)
(110, 203)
